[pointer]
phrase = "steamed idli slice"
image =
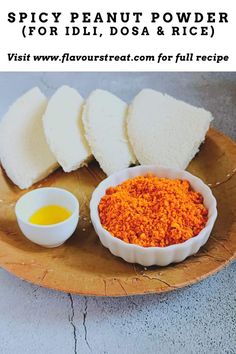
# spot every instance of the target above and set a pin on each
(104, 119)
(64, 130)
(24, 152)
(165, 131)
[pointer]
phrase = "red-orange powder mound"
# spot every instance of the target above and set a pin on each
(151, 211)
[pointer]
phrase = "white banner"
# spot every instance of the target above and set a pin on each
(117, 36)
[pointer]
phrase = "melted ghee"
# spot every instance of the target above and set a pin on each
(49, 215)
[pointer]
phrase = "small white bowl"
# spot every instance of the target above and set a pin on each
(47, 235)
(148, 256)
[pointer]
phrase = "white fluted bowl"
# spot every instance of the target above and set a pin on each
(148, 256)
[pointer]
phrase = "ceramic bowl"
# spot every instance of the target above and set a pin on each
(148, 256)
(47, 235)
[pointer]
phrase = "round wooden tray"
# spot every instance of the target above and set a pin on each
(83, 266)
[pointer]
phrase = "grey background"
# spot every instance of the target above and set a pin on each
(196, 319)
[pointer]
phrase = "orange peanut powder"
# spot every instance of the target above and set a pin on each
(150, 211)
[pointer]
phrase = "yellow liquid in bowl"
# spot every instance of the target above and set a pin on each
(49, 215)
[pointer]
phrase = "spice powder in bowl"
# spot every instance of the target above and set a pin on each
(153, 212)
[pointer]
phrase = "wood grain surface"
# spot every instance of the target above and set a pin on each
(83, 266)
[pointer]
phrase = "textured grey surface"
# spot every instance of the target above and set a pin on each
(213, 91)
(196, 319)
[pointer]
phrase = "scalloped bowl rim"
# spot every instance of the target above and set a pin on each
(123, 175)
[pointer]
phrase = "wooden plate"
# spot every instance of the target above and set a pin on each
(83, 266)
